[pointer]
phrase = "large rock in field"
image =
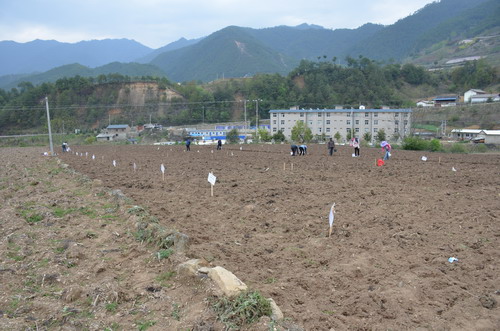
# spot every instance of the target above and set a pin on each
(190, 268)
(226, 281)
(276, 314)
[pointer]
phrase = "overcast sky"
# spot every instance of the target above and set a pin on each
(156, 23)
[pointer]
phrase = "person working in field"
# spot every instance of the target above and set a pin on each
(302, 150)
(294, 149)
(386, 147)
(188, 144)
(355, 144)
(331, 147)
(219, 144)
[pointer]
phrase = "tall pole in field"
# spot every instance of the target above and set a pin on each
(48, 124)
(256, 118)
(245, 108)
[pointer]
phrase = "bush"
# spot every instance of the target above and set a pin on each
(435, 145)
(415, 144)
(458, 148)
(90, 140)
(245, 309)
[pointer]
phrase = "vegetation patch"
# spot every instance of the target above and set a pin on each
(245, 309)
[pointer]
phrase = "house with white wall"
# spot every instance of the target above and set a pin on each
(472, 92)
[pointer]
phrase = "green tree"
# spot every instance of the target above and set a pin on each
(337, 136)
(367, 137)
(301, 133)
(233, 136)
(264, 135)
(381, 135)
(279, 136)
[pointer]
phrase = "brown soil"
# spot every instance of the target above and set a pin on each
(384, 267)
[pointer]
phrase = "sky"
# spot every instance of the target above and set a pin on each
(156, 23)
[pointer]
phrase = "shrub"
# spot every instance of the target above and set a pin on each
(435, 145)
(415, 144)
(458, 148)
(246, 308)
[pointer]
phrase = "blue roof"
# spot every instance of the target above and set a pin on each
(340, 111)
(445, 99)
(117, 126)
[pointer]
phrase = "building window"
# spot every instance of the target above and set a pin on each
(396, 115)
(357, 121)
(405, 115)
(348, 129)
(274, 121)
(366, 122)
(367, 114)
(301, 121)
(327, 129)
(375, 122)
(319, 114)
(357, 129)
(375, 114)
(396, 122)
(406, 122)
(274, 114)
(366, 129)
(327, 114)
(310, 123)
(327, 121)
(348, 122)
(396, 129)
(348, 114)
(274, 130)
(282, 122)
(301, 114)
(375, 130)
(319, 130)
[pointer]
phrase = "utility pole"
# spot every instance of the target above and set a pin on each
(245, 108)
(256, 118)
(48, 124)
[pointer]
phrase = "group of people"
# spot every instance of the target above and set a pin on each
(299, 150)
(188, 145)
(302, 149)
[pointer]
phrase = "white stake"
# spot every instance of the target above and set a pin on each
(331, 218)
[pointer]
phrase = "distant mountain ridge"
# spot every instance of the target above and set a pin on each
(238, 51)
(43, 55)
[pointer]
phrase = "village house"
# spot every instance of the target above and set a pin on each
(446, 101)
(472, 92)
(480, 98)
(114, 132)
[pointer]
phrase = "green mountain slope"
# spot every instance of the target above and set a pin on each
(230, 52)
(71, 70)
(401, 39)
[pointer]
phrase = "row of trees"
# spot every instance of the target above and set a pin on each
(80, 102)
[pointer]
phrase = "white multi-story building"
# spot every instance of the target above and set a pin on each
(327, 122)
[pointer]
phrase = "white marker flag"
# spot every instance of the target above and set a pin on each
(93, 157)
(331, 218)
(135, 167)
(211, 178)
(162, 168)
(424, 158)
(114, 163)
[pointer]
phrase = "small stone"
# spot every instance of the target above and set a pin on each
(488, 302)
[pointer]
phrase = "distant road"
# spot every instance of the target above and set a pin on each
(30, 135)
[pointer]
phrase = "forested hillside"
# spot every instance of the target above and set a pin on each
(91, 103)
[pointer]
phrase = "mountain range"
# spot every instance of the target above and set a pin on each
(239, 51)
